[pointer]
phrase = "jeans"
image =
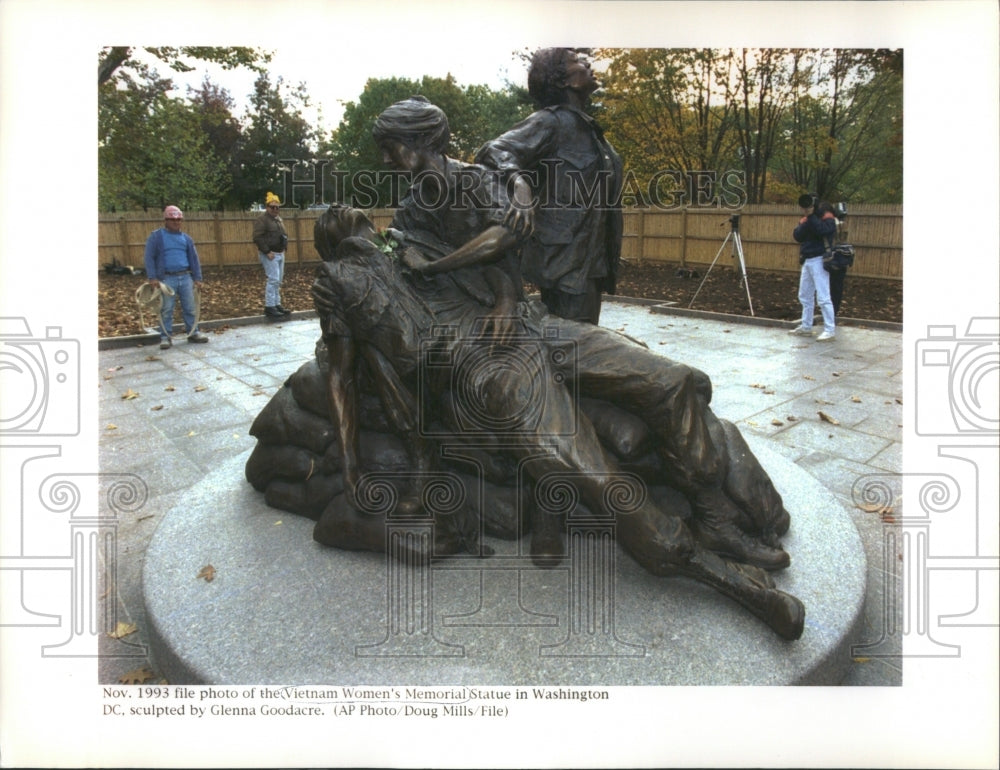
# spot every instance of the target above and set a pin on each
(814, 289)
(274, 271)
(183, 286)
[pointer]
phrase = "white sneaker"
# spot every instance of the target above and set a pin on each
(825, 337)
(802, 331)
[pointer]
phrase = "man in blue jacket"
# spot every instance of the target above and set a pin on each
(171, 259)
(814, 231)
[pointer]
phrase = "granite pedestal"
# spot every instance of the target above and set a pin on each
(283, 609)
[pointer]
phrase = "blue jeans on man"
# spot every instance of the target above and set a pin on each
(274, 272)
(183, 286)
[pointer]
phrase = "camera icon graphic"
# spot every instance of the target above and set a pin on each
(958, 380)
(471, 385)
(39, 380)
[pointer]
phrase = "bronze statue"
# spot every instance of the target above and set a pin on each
(540, 383)
(573, 248)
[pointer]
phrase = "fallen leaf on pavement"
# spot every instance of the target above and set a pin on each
(170, 388)
(138, 676)
(199, 388)
(122, 630)
(156, 408)
(129, 394)
(207, 572)
(827, 418)
(111, 426)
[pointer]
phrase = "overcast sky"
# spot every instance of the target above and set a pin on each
(332, 80)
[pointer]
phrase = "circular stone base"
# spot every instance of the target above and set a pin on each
(283, 609)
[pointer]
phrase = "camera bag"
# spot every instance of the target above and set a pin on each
(838, 258)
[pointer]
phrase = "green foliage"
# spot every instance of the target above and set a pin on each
(786, 120)
(153, 152)
(276, 132)
(113, 59)
(153, 149)
(214, 107)
(475, 114)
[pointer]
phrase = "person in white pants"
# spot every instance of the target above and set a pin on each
(814, 231)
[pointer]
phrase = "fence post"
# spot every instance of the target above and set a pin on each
(217, 231)
(126, 260)
(298, 238)
(684, 236)
(642, 235)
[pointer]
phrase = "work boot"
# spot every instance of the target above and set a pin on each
(784, 613)
(197, 337)
(166, 343)
(714, 525)
(282, 310)
(272, 312)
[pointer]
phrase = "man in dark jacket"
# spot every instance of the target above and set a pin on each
(814, 232)
(572, 255)
(270, 237)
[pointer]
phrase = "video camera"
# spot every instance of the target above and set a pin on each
(811, 200)
(733, 222)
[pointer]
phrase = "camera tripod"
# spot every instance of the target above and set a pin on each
(734, 236)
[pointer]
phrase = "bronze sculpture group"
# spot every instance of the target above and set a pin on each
(431, 350)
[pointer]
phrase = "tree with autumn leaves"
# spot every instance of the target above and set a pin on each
(694, 126)
(788, 121)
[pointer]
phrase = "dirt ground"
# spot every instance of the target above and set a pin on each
(236, 292)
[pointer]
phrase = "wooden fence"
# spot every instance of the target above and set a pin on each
(690, 237)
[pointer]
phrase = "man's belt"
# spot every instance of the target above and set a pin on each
(177, 272)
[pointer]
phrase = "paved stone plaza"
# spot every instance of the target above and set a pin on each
(833, 409)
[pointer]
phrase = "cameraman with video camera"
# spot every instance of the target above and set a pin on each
(815, 230)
